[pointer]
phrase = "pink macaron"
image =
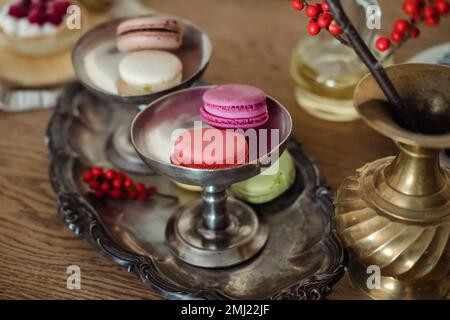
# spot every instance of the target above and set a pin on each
(210, 148)
(234, 106)
(152, 32)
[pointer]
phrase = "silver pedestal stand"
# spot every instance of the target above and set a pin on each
(215, 231)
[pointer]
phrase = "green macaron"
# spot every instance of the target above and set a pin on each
(265, 188)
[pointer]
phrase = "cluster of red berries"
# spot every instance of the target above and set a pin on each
(426, 11)
(320, 16)
(116, 185)
(40, 11)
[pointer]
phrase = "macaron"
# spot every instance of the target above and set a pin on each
(264, 188)
(152, 32)
(209, 148)
(188, 187)
(234, 106)
(148, 71)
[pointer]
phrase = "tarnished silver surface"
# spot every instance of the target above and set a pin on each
(302, 259)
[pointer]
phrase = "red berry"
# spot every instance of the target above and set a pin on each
(396, 36)
(59, 7)
(55, 19)
(17, 11)
(442, 7)
(37, 5)
(121, 175)
(128, 183)
(117, 183)
(383, 44)
(36, 16)
(414, 32)
(115, 193)
(153, 189)
(401, 25)
(97, 172)
(324, 20)
(411, 7)
(99, 194)
(140, 187)
(312, 11)
(143, 197)
(95, 185)
(88, 177)
(105, 186)
(429, 12)
(313, 28)
(298, 5)
(325, 6)
(133, 194)
(431, 21)
(110, 174)
(334, 29)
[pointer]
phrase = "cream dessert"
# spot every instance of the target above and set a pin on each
(28, 18)
(32, 26)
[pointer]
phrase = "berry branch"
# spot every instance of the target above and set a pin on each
(377, 70)
(330, 15)
(427, 12)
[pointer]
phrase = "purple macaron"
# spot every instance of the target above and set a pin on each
(234, 106)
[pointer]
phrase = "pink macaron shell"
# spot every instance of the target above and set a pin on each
(233, 123)
(144, 41)
(242, 111)
(188, 153)
(152, 22)
(154, 32)
(235, 101)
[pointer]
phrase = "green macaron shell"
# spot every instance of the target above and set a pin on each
(265, 188)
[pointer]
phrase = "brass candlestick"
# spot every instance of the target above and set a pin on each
(395, 212)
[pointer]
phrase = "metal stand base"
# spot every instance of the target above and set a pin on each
(120, 152)
(197, 245)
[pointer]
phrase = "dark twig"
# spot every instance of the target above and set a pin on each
(375, 68)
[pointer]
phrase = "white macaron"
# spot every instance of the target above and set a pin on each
(149, 71)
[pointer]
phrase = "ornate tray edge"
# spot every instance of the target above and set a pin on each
(80, 217)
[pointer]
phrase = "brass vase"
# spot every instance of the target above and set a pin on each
(394, 213)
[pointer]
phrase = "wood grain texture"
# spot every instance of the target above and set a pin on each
(252, 41)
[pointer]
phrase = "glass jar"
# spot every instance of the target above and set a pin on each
(326, 71)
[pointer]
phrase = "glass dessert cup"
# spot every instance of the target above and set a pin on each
(215, 231)
(40, 46)
(395, 212)
(96, 59)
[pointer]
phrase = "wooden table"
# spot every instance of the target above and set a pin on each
(252, 41)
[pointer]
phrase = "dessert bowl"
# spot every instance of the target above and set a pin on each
(152, 128)
(96, 59)
(215, 231)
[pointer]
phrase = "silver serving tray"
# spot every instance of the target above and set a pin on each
(303, 258)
